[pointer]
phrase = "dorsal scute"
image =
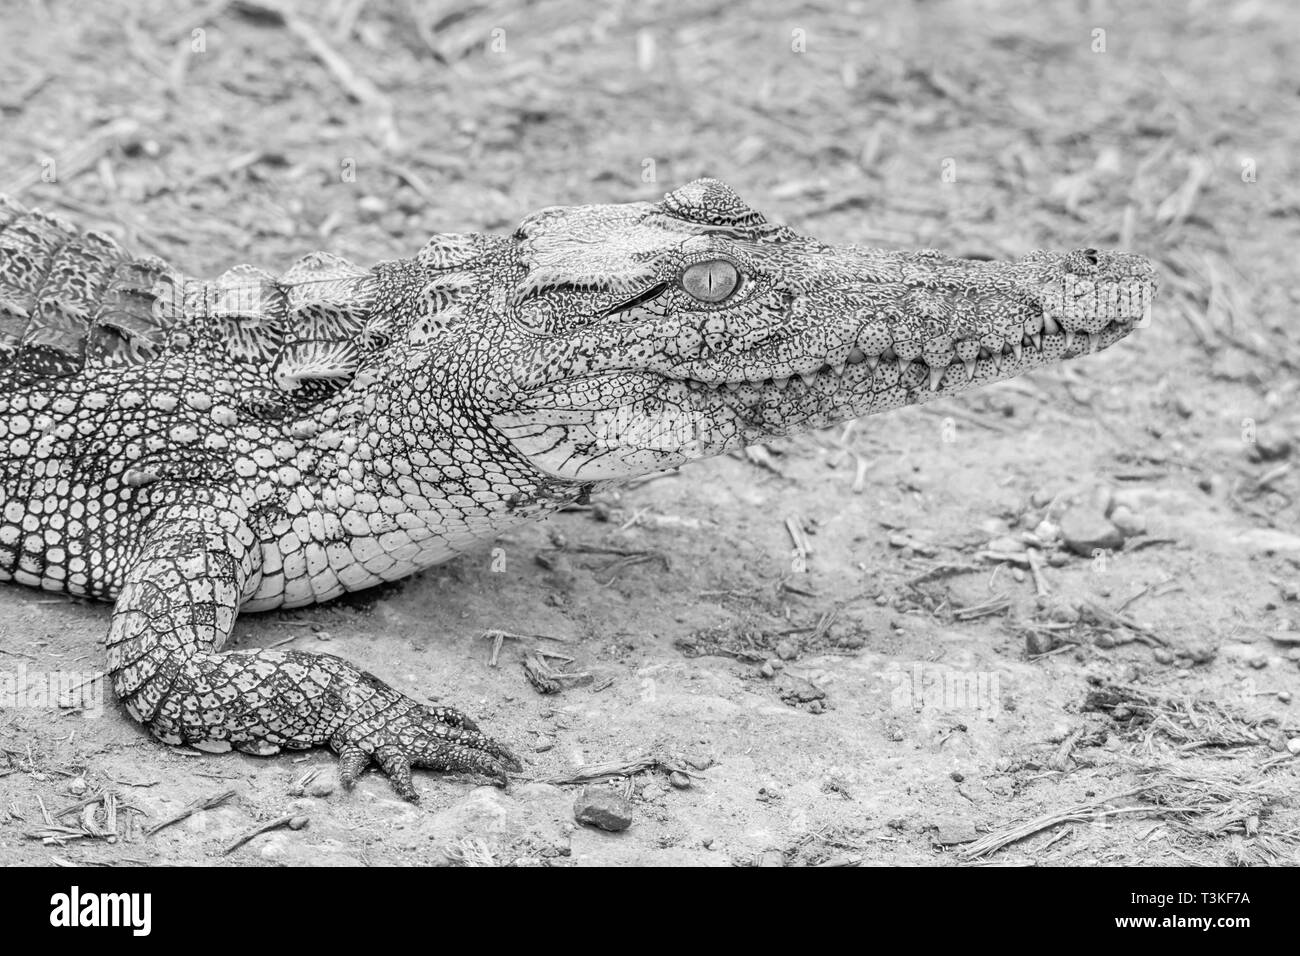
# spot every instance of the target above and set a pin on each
(453, 250)
(330, 302)
(711, 202)
(601, 248)
(328, 297)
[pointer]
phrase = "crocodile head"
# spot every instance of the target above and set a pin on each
(649, 334)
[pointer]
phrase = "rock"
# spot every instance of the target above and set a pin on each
(273, 848)
(797, 690)
(1037, 643)
(322, 786)
(1042, 498)
(1266, 448)
(1198, 652)
(852, 641)
(1085, 531)
(77, 786)
(299, 823)
(603, 808)
(787, 651)
(1163, 655)
(543, 744)
(767, 670)
(1128, 521)
(1047, 531)
(1293, 745)
(1006, 545)
(679, 780)
(699, 762)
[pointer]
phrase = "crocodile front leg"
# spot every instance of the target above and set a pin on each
(177, 606)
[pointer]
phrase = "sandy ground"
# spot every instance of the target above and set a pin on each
(911, 691)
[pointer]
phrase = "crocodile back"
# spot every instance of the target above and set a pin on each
(73, 302)
(68, 298)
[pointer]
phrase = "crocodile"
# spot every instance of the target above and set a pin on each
(191, 449)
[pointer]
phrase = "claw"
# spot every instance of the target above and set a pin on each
(352, 760)
(439, 738)
(395, 764)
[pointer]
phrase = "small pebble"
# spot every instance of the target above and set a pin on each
(1127, 521)
(1006, 545)
(77, 785)
(603, 808)
(299, 823)
(679, 780)
(1037, 643)
(787, 651)
(1085, 531)
(767, 670)
(322, 786)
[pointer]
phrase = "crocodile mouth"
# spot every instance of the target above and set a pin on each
(888, 368)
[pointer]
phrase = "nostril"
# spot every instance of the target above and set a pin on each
(1091, 256)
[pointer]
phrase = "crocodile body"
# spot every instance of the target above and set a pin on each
(189, 449)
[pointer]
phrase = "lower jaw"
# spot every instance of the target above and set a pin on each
(918, 380)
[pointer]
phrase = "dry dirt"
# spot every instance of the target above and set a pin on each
(926, 704)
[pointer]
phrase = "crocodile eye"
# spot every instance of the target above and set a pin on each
(711, 281)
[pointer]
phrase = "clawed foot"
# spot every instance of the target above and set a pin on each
(405, 734)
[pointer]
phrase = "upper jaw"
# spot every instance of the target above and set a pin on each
(1008, 316)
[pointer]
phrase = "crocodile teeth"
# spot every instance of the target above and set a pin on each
(781, 383)
(855, 356)
(1094, 341)
(970, 369)
(1050, 325)
(1069, 339)
(997, 361)
(837, 369)
(904, 368)
(1038, 341)
(872, 361)
(1018, 350)
(936, 377)
(808, 378)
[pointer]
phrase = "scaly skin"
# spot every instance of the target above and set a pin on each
(192, 449)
